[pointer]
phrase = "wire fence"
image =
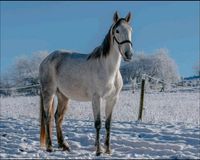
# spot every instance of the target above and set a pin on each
(156, 84)
(17, 88)
(29, 90)
(153, 84)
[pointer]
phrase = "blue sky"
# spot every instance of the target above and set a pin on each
(28, 27)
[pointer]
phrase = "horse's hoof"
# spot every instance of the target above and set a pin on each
(108, 151)
(98, 153)
(49, 149)
(65, 147)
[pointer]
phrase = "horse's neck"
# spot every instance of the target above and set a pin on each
(113, 61)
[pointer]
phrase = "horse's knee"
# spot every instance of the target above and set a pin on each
(47, 118)
(58, 118)
(108, 123)
(98, 124)
(58, 121)
(48, 108)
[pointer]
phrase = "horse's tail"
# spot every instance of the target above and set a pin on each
(42, 123)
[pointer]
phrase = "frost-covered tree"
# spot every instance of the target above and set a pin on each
(23, 72)
(158, 65)
(165, 67)
(25, 69)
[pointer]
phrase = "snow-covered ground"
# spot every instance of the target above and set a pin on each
(170, 128)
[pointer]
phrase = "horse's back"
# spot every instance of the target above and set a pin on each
(60, 55)
(62, 69)
(56, 58)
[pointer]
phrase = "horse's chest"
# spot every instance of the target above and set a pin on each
(112, 87)
(107, 89)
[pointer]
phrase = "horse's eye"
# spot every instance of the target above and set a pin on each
(117, 31)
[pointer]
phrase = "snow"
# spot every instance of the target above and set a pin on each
(170, 128)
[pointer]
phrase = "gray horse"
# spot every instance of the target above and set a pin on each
(83, 77)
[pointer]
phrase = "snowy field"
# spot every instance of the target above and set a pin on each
(170, 128)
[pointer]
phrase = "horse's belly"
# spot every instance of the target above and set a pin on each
(78, 97)
(75, 93)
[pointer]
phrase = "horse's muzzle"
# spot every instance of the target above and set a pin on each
(128, 56)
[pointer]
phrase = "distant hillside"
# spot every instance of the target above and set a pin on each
(192, 78)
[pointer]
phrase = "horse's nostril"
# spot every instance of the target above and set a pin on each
(128, 54)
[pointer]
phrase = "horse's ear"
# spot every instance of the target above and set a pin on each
(128, 17)
(116, 17)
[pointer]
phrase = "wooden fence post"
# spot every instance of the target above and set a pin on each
(141, 99)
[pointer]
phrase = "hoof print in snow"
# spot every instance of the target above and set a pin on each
(21, 150)
(4, 135)
(140, 136)
(24, 140)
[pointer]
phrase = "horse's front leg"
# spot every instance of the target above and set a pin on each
(110, 103)
(96, 101)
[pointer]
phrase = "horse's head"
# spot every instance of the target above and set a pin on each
(121, 35)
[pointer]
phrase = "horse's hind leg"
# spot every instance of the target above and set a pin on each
(59, 116)
(48, 110)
